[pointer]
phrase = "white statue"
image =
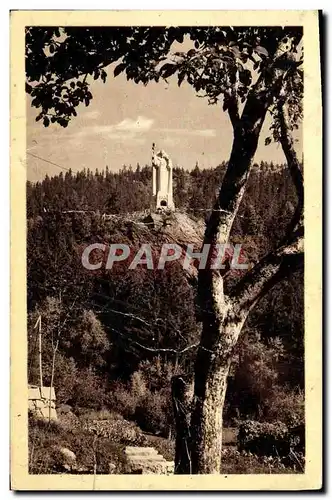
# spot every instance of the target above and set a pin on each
(162, 181)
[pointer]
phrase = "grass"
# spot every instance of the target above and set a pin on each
(91, 451)
(97, 451)
(234, 462)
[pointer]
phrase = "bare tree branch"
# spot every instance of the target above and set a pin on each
(269, 271)
(159, 350)
(156, 349)
(294, 167)
(129, 315)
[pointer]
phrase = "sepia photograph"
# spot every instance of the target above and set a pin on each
(166, 319)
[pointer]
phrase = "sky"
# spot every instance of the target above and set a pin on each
(124, 119)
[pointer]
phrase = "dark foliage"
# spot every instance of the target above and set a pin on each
(263, 438)
(106, 322)
(62, 62)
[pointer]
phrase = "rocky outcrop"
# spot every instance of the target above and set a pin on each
(65, 459)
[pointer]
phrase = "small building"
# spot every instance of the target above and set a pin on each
(41, 402)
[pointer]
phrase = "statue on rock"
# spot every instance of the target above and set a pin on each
(162, 181)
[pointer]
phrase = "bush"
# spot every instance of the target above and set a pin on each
(66, 375)
(153, 415)
(89, 391)
(116, 428)
(298, 437)
(253, 376)
(286, 406)
(156, 374)
(122, 400)
(264, 438)
(150, 409)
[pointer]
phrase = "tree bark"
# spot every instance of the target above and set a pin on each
(211, 373)
(181, 408)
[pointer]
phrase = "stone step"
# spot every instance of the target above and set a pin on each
(147, 459)
(144, 456)
(137, 450)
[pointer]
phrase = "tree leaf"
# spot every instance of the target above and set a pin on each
(168, 70)
(181, 77)
(103, 75)
(179, 37)
(46, 121)
(245, 77)
(119, 69)
(235, 51)
(261, 51)
(268, 141)
(35, 102)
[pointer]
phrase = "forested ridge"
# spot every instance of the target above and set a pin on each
(129, 189)
(120, 330)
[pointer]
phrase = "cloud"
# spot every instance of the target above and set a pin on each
(127, 130)
(208, 132)
(134, 131)
(92, 115)
(141, 124)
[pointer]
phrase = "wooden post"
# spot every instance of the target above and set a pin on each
(38, 322)
(181, 410)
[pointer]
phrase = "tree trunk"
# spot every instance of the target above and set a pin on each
(211, 373)
(181, 407)
(222, 319)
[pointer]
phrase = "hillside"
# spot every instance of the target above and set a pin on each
(122, 334)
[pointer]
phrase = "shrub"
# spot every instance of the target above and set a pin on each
(298, 438)
(253, 376)
(116, 429)
(66, 375)
(86, 414)
(138, 387)
(264, 438)
(150, 409)
(156, 374)
(89, 391)
(122, 401)
(286, 406)
(152, 413)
